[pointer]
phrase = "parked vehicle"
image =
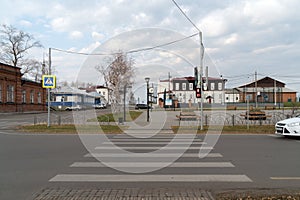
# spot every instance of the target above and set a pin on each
(141, 106)
(288, 127)
(99, 106)
(73, 107)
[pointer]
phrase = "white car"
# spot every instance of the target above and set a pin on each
(100, 106)
(288, 127)
(74, 107)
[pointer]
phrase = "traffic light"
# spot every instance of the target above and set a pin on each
(198, 92)
(196, 76)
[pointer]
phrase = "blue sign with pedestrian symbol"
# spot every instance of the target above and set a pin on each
(49, 81)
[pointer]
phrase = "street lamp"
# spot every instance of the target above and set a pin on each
(147, 79)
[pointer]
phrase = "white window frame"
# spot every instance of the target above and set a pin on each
(39, 95)
(24, 96)
(183, 86)
(176, 86)
(10, 94)
(191, 86)
(220, 86)
(31, 96)
(212, 86)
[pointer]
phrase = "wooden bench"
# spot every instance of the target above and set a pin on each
(231, 107)
(269, 107)
(256, 116)
(187, 116)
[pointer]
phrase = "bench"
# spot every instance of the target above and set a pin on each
(256, 116)
(269, 107)
(187, 116)
(231, 107)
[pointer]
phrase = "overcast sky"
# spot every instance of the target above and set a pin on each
(240, 36)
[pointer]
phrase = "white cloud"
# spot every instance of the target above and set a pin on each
(240, 33)
(25, 23)
(266, 11)
(76, 35)
(97, 36)
(231, 39)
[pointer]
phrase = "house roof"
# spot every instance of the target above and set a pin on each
(262, 89)
(191, 78)
(266, 81)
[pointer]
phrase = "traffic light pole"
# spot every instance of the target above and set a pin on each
(200, 81)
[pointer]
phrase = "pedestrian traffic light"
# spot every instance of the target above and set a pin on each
(198, 92)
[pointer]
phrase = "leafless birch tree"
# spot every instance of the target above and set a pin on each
(118, 75)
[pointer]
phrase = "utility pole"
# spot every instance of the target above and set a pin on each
(256, 89)
(275, 98)
(200, 67)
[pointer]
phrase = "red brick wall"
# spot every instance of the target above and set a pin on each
(10, 75)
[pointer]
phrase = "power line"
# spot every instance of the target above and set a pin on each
(187, 17)
(127, 52)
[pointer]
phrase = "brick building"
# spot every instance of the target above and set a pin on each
(266, 90)
(18, 94)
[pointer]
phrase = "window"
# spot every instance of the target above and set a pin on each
(220, 86)
(212, 86)
(0, 93)
(191, 86)
(24, 96)
(183, 86)
(10, 93)
(176, 86)
(31, 96)
(39, 97)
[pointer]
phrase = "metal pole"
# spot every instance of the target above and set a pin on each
(49, 103)
(200, 82)
(124, 103)
(275, 98)
(48, 124)
(147, 101)
(248, 110)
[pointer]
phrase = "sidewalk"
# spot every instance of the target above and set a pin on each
(159, 122)
(126, 194)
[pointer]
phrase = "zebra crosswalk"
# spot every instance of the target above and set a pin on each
(189, 163)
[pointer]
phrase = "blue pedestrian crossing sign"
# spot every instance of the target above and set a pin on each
(49, 81)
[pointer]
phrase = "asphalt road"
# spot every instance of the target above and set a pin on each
(31, 164)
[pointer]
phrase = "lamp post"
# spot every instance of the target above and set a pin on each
(147, 79)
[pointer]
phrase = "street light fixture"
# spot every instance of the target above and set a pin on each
(147, 79)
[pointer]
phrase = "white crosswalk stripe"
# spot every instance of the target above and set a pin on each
(155, 164)
(152, 160)
(150, 178)
(124, 155)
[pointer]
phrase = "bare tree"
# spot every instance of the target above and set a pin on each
(15, 45)
(118, 75)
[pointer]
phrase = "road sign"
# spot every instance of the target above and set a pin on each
(49, 81)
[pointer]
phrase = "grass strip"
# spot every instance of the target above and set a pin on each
(130, 116)
(71, 129)
(239, 129)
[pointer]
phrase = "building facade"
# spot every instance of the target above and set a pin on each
(266, 90)
(18, 94)
(184, 89)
